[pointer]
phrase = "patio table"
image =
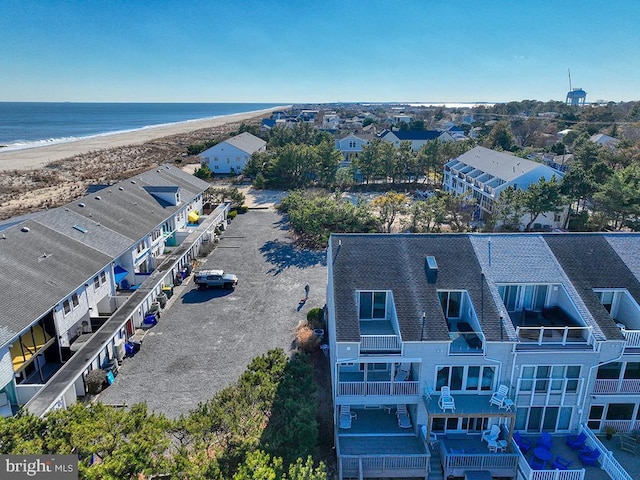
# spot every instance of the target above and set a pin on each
(542, 454)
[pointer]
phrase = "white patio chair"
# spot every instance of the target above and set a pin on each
(446, 401)
(403, 372)
(498, 397)
(404, 421)
(346, 416)
(491, 436)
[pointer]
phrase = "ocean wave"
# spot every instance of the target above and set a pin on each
(22, 145)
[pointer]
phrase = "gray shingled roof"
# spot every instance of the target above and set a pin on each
(499, 164)
(246, 142)
(397, 263)
(590, 262)
(524, 258)
(96, 236)
(39, 268)
(46, 264)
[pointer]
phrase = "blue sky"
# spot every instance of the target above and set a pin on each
(317, 51)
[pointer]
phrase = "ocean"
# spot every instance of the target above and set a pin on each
(28, 124)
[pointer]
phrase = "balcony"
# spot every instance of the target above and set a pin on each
(461, 453)
(632, 338)
(375, 446)
(379, 337)
(552, 327)
(617, 386)
(377, 388)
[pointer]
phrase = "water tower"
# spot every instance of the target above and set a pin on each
(575, 96)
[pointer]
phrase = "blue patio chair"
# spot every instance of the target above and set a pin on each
(523, 443)
(537, 464)
(589, 457)
(576, 441)
(544, 441)
(561, 463)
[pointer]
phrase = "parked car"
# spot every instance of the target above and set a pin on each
(215, 278)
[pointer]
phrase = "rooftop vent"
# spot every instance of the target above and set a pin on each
(24, 229)
(120, 188)
(133, 181)
(98, 197)
(80, 228)
(81, 204)
(431, 267)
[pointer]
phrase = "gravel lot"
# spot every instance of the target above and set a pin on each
(205, 339)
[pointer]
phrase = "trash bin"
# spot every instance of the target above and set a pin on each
(162, 299)
(155, 307)
(150, 319)
(188, 268)
(168, 291)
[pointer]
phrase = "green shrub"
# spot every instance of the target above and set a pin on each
(232, 214)
(243, 209)
(315, 318)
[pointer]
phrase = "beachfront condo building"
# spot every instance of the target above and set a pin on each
(233, 154)
(453, 354)
(482, 174)
(78, 281)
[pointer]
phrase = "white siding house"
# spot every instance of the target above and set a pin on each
(232, 155)
(350, 146)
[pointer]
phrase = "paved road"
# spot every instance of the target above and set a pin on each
(204, 340)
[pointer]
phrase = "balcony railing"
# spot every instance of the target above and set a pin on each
(607, 460)
(380, 343)
(377, 388)
(621, 426)
(615, 386)
(632, 337)
(384, 466)
(555, 335)
(498, 464)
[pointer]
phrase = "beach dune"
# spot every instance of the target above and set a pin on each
(37, 157)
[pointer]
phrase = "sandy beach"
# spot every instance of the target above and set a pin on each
(37, 157)
(44, 177)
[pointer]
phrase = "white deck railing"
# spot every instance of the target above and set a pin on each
(555, 335)
(377, 388)
(529, 473)
(384, 466)
(380, 343)
(498, 465)
(617, 386)
(632, 337)
(621, 426)
(607, 460)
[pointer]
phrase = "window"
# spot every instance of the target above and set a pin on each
(550, 378)
(103, 277)
(517, 297)
(606, 298)
(632, 370)
(620, 411)
(66, 306)
(74, 300)
(469, 378)
(609, 371)
(450, 302)
(96, 282)
(373, 305)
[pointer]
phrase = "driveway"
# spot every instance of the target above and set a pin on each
(205, 339)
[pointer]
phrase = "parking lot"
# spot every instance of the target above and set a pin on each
(205, 339)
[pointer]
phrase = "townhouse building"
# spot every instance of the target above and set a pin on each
(81, 277)
(483, 174)
(438, 340)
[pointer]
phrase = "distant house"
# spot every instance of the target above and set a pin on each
(605, 140)
(350, 147)
(558, 162)
(330, 121)
(232, 155)
(416, 137)
(483, 174)
(401, 118)
(561, 134)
